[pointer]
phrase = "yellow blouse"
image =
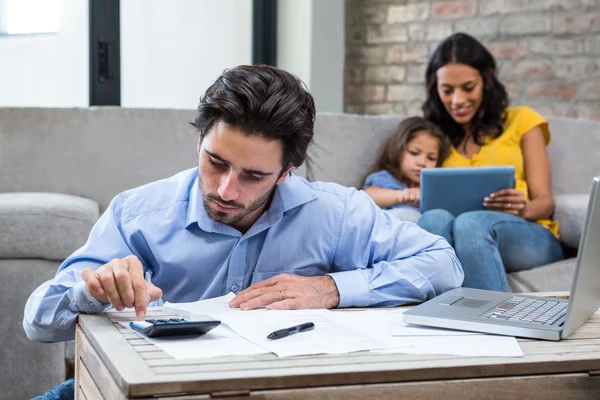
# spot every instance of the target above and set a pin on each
(506, 150)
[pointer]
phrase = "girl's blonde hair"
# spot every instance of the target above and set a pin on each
(390, 156)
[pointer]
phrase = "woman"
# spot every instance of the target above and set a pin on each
(468, 102)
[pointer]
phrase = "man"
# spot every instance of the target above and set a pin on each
(242, 223)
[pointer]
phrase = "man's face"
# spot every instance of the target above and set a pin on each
(237, 174)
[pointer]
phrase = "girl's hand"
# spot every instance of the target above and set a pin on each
(510, 201)
(411, 197)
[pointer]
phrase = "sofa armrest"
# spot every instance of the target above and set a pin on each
(569, 212)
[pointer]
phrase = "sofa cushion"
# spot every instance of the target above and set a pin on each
(555, 277)
(47, 226)
(569, 211)
(346, 146)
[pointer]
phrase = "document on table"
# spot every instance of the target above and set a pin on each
(411, 339)
(327, 337)
(219, 342)
(477, 345)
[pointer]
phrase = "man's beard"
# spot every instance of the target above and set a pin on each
(232, 218)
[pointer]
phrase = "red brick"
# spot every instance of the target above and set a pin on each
(352, 94)
(439, 31)
(574, 68)
(371, 55)
(385, 74)
(353, 75)
(378, 109)
(527, 69)
(373, 15)
(356, 35)
(417, 31)
(432, 31)
(416, 73)
(479, 27)
(406, 93)
(488, 7)
(393, 33)
(353, 109)
(414, 109)
(408, 13)
(592, 91)
(525, 25)
(399, 108)
(556, 46)
(373, 93)
(592, 45)
(552, 90)
(503, 50)
(576, 23)
(513, 89)
(401, 53)
(453, 9)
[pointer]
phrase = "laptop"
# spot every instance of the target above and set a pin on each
(526, 316)
(462, 189)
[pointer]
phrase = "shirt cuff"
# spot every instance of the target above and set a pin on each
(83, 302)
(352, 287)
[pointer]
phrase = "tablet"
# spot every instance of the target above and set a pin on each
(462, 189)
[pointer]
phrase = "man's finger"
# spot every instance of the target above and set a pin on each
(249, 295)
(93, 285)
(123, 282)
(137, 291)
(263, 300)
(107, 279)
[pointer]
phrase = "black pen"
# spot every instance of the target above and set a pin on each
(307, 326)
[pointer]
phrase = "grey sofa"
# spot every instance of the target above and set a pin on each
(61, 167)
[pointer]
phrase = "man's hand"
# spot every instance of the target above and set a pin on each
(410, 196)
(289, 292)
(121, 282)
(510, 201)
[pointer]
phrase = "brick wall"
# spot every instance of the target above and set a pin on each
(548, 51)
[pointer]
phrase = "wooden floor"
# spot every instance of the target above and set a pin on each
(569, 369)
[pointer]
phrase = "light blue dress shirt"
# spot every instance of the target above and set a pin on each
(309, 229)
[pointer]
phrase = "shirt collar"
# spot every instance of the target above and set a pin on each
(292, 193)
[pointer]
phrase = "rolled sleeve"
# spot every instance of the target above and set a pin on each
(387, 262)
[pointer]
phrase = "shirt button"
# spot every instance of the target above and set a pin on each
(234, 288)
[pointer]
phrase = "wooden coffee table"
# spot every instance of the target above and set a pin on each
(113, 363)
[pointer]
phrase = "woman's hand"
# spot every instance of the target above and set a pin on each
(510, 201)
(410, 196)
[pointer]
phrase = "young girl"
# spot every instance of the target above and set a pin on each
(395, 179)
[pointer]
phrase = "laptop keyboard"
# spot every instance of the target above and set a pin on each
(530, 310)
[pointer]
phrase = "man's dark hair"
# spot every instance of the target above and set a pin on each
(464, 49)
(261, 100)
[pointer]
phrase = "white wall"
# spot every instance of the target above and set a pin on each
(172, 50)
(49, 70)
(311, 45)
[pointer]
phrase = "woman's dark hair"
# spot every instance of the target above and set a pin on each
(487, 121)
(391, 155)
(261, 100)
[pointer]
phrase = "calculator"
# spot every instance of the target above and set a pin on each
(175, 326)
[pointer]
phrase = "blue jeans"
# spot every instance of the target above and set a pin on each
(491, 243)
(64, 391)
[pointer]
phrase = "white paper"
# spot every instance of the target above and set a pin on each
(327, 337)
(218, 342)
(478, 345)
